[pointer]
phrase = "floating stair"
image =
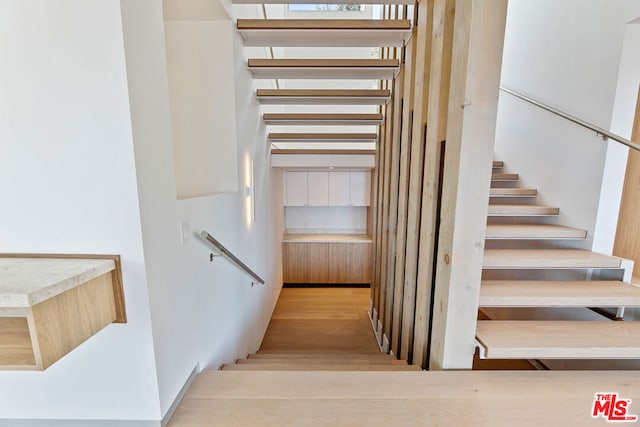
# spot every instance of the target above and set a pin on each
(547, 259)
(513, 339)
(498, 164)
(504, 177)
(521, 210)
(324, 32)
(539, 293)
(322, 119)
(321, 151)
(513, 192)
(369, 69)
(533, 232)
(323, 96)
(323, 137)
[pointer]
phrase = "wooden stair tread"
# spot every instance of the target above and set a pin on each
(513, 192)
(315, 361)
(498, 164)
(323, 96)
(319, 367)
(501, 209)
(239, 398)
(322, 137)
(320, 356)
(546, 258)
(323, 68)
(504, 176)
(320, 151)
(559, 339)
(539, 293)
(324, 32)
(321, 119)
(533, 231)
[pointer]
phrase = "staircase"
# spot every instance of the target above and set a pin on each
(320, 362)
(524, 248)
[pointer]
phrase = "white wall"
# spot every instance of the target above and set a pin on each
(202, 312)
(326, 219)
(68, 185)
(621, 124)
(566, 54)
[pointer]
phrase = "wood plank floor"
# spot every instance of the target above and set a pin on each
(320, 320)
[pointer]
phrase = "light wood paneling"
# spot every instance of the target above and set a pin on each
(295, 261)
(326, 263)
(16, 351)
(64, 322)
(627, 242)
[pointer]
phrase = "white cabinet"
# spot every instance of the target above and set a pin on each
(339, 185)
(318, 188)
(295, 188)
(360, 188)
(322, 188)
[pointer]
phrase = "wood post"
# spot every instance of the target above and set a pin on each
(439, 77)
(627, 243)
(478, 40)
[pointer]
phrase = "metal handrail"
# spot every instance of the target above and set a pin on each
(600, 131)
(228, 255)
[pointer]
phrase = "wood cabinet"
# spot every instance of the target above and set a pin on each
(327, 188)
(326, 262)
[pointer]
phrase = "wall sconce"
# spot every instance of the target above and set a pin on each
(249, 193)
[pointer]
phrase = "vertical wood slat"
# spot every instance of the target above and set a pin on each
(439, 77)
(394, 178)
(627, 242)
(385, 208)
(403, 190)
(421, 87)
(476, 64)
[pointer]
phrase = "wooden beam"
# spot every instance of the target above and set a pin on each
(627, 242)
(439, 78)
(421, 87)
(478, 41)
(394, 178)
(403, 192)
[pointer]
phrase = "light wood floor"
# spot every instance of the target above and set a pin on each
(321, 320)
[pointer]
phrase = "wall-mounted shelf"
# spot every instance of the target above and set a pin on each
(50, 304)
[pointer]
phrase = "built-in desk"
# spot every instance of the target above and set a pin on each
(326, 258)
(50, 304)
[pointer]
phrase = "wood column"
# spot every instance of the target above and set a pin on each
(478, 40)
(627, 243)
(439, 77)
(421, 94)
